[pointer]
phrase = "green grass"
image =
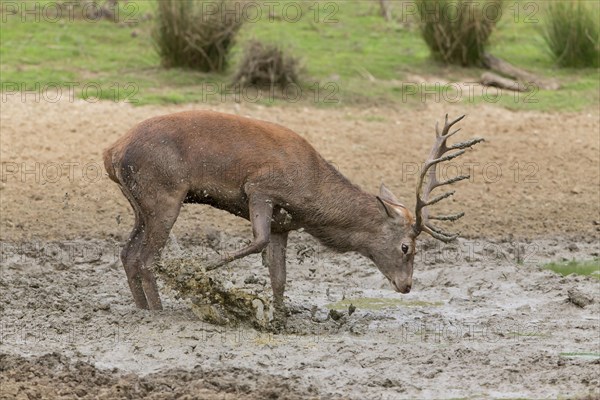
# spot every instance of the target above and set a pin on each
(349, 53)
(588, 267)
(523, 45)
(572, 32)
(371, 303)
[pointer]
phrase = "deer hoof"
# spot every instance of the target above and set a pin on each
(279, 321)
(216, 263)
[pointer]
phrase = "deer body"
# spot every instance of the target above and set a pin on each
(257, 170)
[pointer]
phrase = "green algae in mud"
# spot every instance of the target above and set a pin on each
(215, 299)
(587, 267)
(582, 355)
(373, 304)
(525, 335)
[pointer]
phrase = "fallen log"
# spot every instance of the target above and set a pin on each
(495, 80)
(524, 77)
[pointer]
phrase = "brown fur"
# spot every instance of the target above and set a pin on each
(257, 170)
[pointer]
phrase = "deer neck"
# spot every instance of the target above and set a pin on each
(346, 218)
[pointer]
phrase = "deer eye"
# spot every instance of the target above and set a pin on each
(404, 248)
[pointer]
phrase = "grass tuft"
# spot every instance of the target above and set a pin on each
(572, 33)
(195, 35)
(267, 66)
(457, 31)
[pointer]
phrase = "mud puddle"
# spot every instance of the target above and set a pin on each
(483, 320)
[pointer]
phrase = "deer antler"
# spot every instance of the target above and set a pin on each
(437, 156)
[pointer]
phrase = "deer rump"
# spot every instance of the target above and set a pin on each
(218, 159)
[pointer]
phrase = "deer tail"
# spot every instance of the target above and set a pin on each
(109, 164)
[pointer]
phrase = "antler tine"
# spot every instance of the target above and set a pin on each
(453, 133)
(438, 198)
(436, 156)
(466, 143)
(453, 180)
(440, 235)
(445, 158)
(449, 217)
(440, 232)
(447, 125)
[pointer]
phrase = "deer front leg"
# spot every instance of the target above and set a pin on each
(274, 259)
(261, 212)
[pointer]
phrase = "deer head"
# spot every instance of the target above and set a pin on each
(401, 227)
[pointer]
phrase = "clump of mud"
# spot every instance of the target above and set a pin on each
(224, 300)
(214, 298)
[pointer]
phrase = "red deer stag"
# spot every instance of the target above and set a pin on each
(271, 176)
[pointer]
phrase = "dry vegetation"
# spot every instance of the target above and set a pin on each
(187, 35)
(266, 65)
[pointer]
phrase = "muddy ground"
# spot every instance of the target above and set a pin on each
(483, 319)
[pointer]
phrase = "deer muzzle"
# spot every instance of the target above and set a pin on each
(402, 285)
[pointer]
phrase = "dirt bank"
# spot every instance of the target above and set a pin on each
(537, 174)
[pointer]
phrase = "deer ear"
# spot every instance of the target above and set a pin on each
(386, 208)
(387, 195)
(388, 203)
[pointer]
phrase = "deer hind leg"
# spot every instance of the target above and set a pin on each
(160, 211)
(156, 211)
(129, 254)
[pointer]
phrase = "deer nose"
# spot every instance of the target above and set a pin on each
(402, 287)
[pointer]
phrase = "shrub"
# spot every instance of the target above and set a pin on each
(266, 66)
(457, 31)
(571, 33)
(196, 35)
